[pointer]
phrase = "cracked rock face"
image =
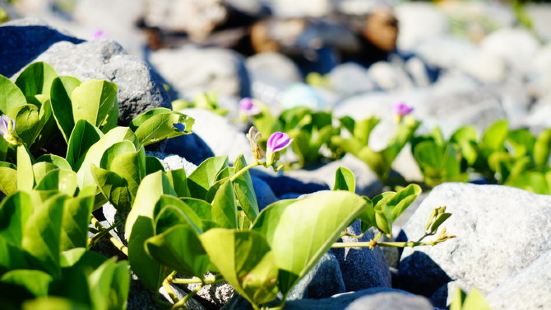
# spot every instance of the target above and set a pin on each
(500, 231)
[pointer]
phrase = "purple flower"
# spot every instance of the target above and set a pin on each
(6, 125)
(402, 109)
(278, 141)
(248, 107)
(99, 35)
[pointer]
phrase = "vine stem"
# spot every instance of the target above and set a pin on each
(244, 170)
(369, 244)
(105, 231)
(196, 280)
(168, 288)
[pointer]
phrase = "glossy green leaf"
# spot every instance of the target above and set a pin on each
(25, 175)
(246, 262)
(205, 175)
(35, 281)
(76, 218)
(92, 100)
(322, 217)
(53, 303)
(114, 188)
(180, 249)
(542, 149)
(64, 181)
(178, 180)
(12, 98)
(344, 180)
(15, 211)
(36, 79)
(28, 123)
(42, 234)
(494, 136)
(83, 136)
(60, 97)
(170, 211)
(8, 180)
(224, 208)
(109, 285)
(159, 124)
(244, 190)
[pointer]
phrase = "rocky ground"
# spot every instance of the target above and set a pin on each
(456, 64)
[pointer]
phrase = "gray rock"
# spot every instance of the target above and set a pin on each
(22, 40)
(323, 280)
(312, 8)
(540, 75)
(371, 297)
(484, 67)
(264, 194)
(173, 162)
(191, 70)
(486, 252)
(282, 184)
(499, 44)
(540, 15)
(366, 180)
(391, 301)
(389, 76)
(349, 79)
(219, 134)
(539, 114)
(139, 87)
(443, 296)
(273, 65)
(419, 22)
(362, 268)
(216, 295)
(191, 147)
(529, 289)
(445, 52)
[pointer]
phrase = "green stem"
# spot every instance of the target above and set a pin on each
(168, 288)
(408, 244)
(369, 244)
(181, 304)
(196, 280)
(244, 170)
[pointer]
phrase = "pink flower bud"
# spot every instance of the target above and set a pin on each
(402, 109)
(248, 107)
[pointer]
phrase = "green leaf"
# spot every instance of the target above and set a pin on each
(25, 175)
(205, 175)
(93, 100)
(60, 98)
(35, 281)
(96, 151)
(13, 257)
(322, 217)
(244, 190)
(180, 249)
(36, 79)
(224, 208)
(114, 188)
(109, 285)
(344, 180)
(76, 218)
(12, 98)
(178, 180)
(170, 211)
(542, 149)
(159, 124)
(494, 136)
(53, 303)
(42, 234)
(475, 301)
(8, 180)
(28, 123)
(83, 136)
(246, 262)
(64, 181)
(140, 227)
(15, 211)
(129, 163)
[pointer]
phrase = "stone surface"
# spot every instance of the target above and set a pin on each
(282, 184)
(191, 70)
(501, 230)
(445, 52)
(349, 79)
(215, 295)
(222, 137)
(389, 76)
(484, 67)
(419, 22)
(323, 280)
(369, 299)
(528, 289)
(362, 268)
(499, 44)
(264, 194)
(273, 65)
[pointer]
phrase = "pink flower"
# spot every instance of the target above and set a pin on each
(278, 141)
(6, 125)
(99, 35)
(248, 107)
(402, 109)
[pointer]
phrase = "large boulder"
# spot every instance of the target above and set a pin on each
(28, 40)
(529, 289)
(501, 230)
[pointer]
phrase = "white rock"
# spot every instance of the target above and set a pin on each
(419, 22)
(514, 45)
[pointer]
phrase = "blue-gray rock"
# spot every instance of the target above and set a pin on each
(191, 147)
(528, 289)
(23, 40)
(282, 184)
(264, 194)
(349, 79)
(501, 230)
(371, 299)
(323, 280)
(362, 268)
